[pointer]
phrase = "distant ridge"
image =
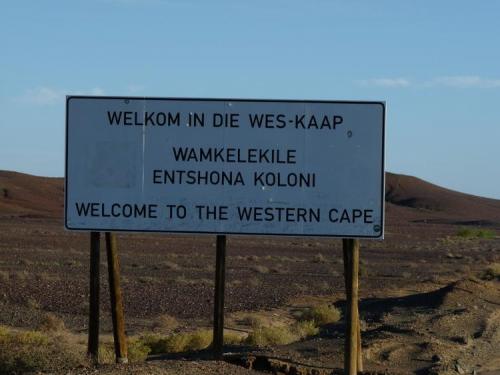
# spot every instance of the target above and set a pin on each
(440, 204)
(408, 198)
(24, 195)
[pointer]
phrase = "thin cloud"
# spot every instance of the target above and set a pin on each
(466, 82)
(385, 82)
(45, 96)
(460, 81)
(135, 89)
(96, 91)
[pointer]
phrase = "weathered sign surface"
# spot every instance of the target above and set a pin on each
(225, 166)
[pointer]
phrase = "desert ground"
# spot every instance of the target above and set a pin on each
(429, 292)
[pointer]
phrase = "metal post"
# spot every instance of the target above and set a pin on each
(352, 351)
(93, 338)
(220, 272)
(116, 299)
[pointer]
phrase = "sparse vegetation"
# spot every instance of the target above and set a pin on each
(32, 351)
(137, 352)
(5, 193)
(235, 283)
(253, 320)
(472, 233)
(32, 303)
(52, 323)
(273, 335)
(146, 279)
(184, 280)
(232, 338)
(179, 342)
(4, 276)
(306, 328)
(260, 269)
(321, 314)
(279, 269)
(46, 277)
(254, 282)
(319, 258)
(281, 335)
(492, 272)
(171, 266)
(166, 323)
(303, 288)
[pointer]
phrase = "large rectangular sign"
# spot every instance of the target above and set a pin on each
(280, 167)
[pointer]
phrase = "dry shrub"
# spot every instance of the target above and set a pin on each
(267, 336)
(52, 323)
(475, 233)
(179, 342)
(406, 275)
(200, 339)
(254, 282)
(45, 277)
(235, 283)
(306, 328)
(166, 322)
(171, 266)
(147, 279)
(319, 258)
(32, 303)
(279, 269)
(32, 351)
(253, 321)
(491, 272)
(321, 314)
(231, 338)
(281, 335)
(203, 281)
(260, 269)
(183, 280)
(4, 276)
(137, 352)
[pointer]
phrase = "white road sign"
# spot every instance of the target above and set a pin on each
(231, 166)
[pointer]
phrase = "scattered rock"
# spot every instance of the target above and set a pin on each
(459, 369)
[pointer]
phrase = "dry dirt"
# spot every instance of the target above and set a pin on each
(424, 308)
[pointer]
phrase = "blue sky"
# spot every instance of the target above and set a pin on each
(435, 63)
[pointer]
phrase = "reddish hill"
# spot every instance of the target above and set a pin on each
(439, 204)
(30, 196)
(408, 199)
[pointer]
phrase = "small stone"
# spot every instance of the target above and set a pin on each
(459, 369)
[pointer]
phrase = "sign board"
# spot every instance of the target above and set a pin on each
(280, 167)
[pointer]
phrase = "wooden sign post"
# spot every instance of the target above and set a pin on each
(220, 275)
(117, 314)
(93, 339)
(353, 360)
(116, 299)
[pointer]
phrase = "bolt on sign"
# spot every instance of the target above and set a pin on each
(225, 166)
